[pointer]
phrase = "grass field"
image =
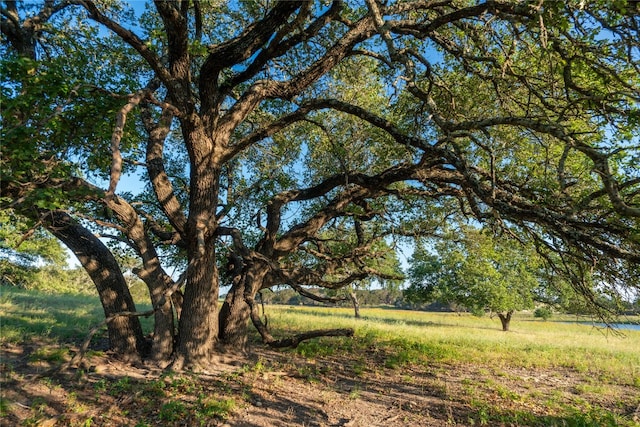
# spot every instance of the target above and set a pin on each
(449, 337)
(554, 372)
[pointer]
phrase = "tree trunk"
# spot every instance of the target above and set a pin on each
(198, 324)
(125, 332)
(234, 316)
(163, 326)
(505, 319)
(154, 276)
(234, 319)
(355, 302)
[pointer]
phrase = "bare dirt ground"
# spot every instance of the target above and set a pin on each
(285, 389)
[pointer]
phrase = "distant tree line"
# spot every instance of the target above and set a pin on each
(399, 299)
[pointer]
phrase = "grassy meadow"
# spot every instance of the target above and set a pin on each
(554, 372)
(422, 337)
(28, 314)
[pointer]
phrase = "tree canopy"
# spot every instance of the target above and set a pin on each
(282, 143)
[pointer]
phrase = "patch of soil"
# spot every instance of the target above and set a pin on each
(281, 388)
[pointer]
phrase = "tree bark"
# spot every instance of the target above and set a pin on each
(163, 327)
(295, 340)
(154, 276)
(356, 304)
(234, 320)
(505, 319)
(198, 325)
(125, 332)
(248, 276)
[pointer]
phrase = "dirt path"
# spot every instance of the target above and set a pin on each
(285, 389)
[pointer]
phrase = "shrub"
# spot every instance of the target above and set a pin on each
(543, 313)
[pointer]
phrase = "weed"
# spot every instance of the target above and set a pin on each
(39, 404)
(591, 389)
(397, 360)
(100, 385)
(49, 383)
(51, 355)
(359, 368)
(80, 375)
(405, 352)
(32, 421)
(310, 373)
(259, 366)
(573, 417)
(183, 384)
(155, 389)
(314, 349)
(505, 393)
(355, 393)
(172, 411)
(213, 408)
(483, 413)
(4, 407)
(123, 385)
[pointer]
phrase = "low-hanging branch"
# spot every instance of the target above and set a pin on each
(299, 289)
(295, 340)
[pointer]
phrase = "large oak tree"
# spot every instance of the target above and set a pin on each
(269, 134)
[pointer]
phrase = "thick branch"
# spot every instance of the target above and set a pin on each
(368, 116)
(176, 29)
(240, 48)
(118, 131)
(160, 181)
(262, 90)
(23, 36)
(234, 51)
(266, 131)
(362, 187)
(277, 47)
(302, 291)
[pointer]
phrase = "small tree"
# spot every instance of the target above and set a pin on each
(478, 271)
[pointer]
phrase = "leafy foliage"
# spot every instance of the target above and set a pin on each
(476, 271)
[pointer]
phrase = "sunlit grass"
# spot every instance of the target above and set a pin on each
(419, 337)
(405, 336)
(59, 317)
